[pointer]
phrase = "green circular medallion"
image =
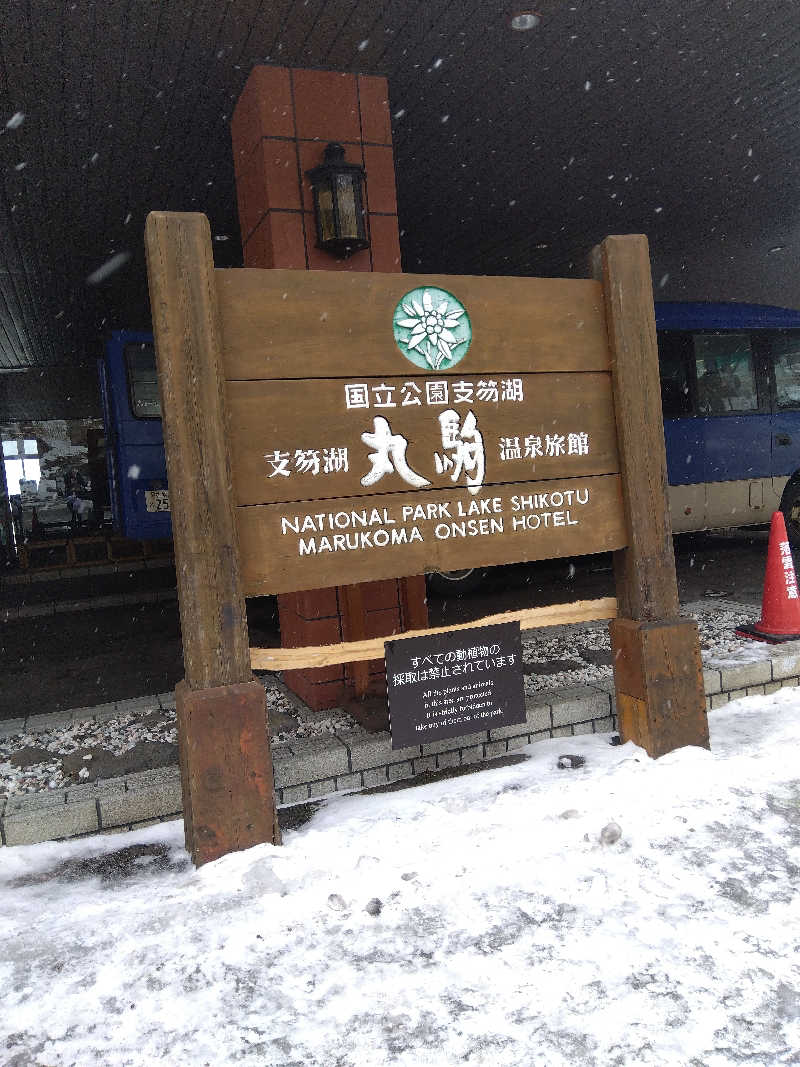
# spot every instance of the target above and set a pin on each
(432, 328)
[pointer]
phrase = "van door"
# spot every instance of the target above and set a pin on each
(734, 408)
(682, 432)
(784, 353)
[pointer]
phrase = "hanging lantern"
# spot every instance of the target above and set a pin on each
(339, 203)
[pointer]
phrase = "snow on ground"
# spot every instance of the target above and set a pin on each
(624, 912)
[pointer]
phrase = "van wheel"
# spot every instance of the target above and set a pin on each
(790, 506)
(455, 583)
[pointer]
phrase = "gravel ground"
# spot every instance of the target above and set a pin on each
(553, 658)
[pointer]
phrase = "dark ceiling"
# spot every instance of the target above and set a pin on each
(515, 152)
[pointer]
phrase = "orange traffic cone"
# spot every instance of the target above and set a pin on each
(780, 606)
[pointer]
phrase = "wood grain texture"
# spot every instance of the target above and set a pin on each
(187, 342)
(645, 570)
(290, 324)
(292, 416)
(659, 681)
(226, 769)
(279, 659)
(270, 547)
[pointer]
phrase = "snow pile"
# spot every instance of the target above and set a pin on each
(617, 911)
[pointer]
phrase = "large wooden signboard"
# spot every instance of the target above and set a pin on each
(349, 457)
(332, 428)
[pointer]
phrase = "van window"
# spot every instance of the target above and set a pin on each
(726, 380)
(140, 361)
(786, 360)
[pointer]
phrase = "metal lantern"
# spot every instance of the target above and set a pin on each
(339, 203)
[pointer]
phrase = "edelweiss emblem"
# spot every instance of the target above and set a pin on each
(431, 328)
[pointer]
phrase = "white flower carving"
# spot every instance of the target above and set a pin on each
(430, 329)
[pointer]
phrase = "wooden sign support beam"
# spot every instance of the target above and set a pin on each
(657, 667)
(226, 766)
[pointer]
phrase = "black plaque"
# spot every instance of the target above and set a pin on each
(456, 683)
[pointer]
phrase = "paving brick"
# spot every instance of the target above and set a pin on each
(447, 759)
(718, 699)
(538, 712)
(143, 799)
(322, 789)
(294, 794)
(474, 754)
(371, 750)
(744, 674)
(578, 704)
(516, 743)
(424, 764)
(708, 703)
(138, 706)
(345, 783)
(55, 720)
(399, 771)
(737, 694)
(495, 748)
(789, 683)
(561, 731)
(50, 823)
(604, 725)
(785, 663)
(712, 682)
(755, 690)
(311, 761)
(94, 790)
(376, 776)
(772, 687)
(26, 803)
(503, 732)
(104, 712)
(143, 779)
(12, 727)
(582, 728)
(435, 747)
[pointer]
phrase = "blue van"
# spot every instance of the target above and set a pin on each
(730, 393)
(730, 390)
(137, 466)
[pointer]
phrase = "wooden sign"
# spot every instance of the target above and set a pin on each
(439, 423)
(334, 427)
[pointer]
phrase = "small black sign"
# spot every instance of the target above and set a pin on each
(456, 683)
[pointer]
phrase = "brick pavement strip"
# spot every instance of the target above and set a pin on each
(349, 761)
(47, 817)
(371, 750)
(149, 795)
(745, 674)
(311, 760)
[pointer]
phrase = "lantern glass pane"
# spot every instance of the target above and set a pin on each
(325, 217)
(348, 214)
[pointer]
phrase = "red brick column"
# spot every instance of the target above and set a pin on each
(282, 122)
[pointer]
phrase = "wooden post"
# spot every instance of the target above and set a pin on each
(226, 765)
(657, 668)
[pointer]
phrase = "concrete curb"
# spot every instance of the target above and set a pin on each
(346, 762)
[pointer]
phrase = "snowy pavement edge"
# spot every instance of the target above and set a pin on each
(348, 761)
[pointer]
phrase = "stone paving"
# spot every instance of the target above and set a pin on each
(348, 761)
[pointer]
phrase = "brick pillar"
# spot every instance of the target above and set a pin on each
(282, 122)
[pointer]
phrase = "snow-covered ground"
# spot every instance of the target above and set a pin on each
(623, 912)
